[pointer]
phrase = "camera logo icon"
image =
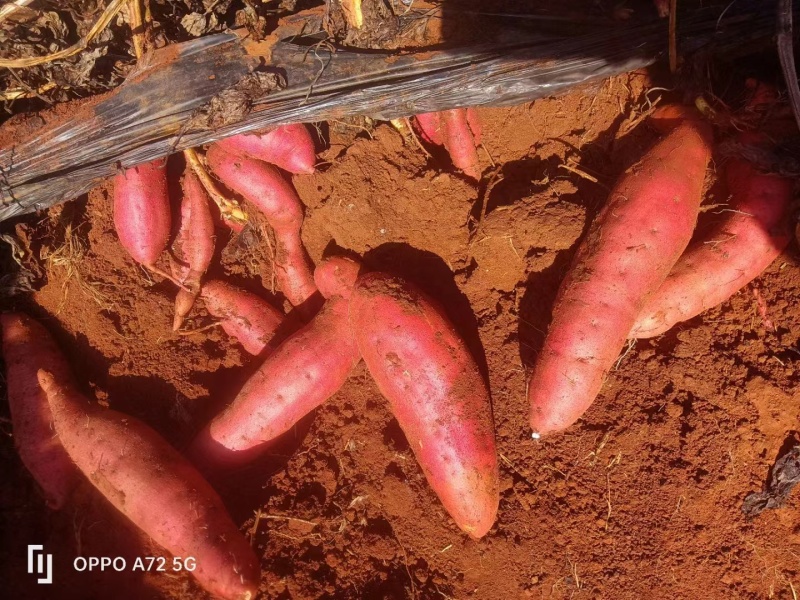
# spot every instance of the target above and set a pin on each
(40, 563)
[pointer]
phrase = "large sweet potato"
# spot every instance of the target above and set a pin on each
(149, 482)
(436, 392)
(28, 347)
(632, 245)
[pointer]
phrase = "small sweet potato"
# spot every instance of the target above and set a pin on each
(436, 392)
(264, 187)
(630, 248)
(28, 347)
(303, 372)
(289, 147)
(193, 247)
(149, 482)
(336, 276)
(431, 129)
(461, 141)
(250, 319)
(459, 131)
(142, 211)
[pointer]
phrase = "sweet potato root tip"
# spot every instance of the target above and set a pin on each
(294, 269)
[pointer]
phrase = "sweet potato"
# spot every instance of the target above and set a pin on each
(28, 347)
(431, 129)
(461, 143)
(731, 255)
(264, 187)
(630, 248)
(436, 392)
(289, 147)
(304, 371)
(149, 482)
(336, 276)
(193, 247)
(459, 132)
(245, 316)
(142, 212)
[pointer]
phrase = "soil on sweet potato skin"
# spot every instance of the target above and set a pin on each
(640, 499)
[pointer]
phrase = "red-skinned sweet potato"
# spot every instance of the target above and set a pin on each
(250, 319)
(142, 211)
(461, 142)
(436, 392)
(264, 187)
(304, 371)
(28, 347)
(289, 147)
(430, 126)
(731, 255)
(633, 243)
(459, 131)
(193, 247)
(149, 482)
(336, 276)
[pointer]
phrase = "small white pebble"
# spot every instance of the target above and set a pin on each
(383, 231)
(535, 435)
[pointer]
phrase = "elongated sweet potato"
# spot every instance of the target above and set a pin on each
(289, 147)
(461, 142)
(632, 245)
(436, 392)
(193, 247)
(149, 482)
(731, 255)
(264, 187)
(305, 370)
(28, 347)
(250, 319)
(142, 212)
